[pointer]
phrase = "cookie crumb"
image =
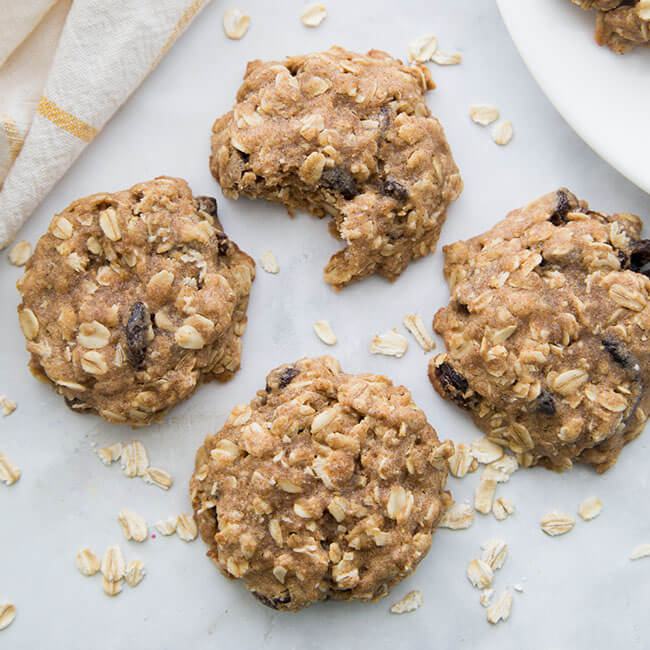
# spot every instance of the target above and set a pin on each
(135, 573)
(484, 114)
(7, 614)
(20, 253)
(8, 406)
(641, 551)
(502, 508)
(87, 562)
(414, 324)
(500, 610)
(269, 262)
(422, 48)
(133, 525)
(412, 601)
(590, 508)
(518, 588)
(235, 23)
(390, 343)
(557, 523)
(324, 332)
(502, 132)
(479, 573)
(443, 58)
(186, 527)
(9, 472)
(313, 15)
(457, 517)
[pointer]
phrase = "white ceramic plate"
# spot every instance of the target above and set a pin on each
(604, 96)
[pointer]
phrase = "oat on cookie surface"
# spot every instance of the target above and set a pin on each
(132, 299)
(327, 486)
(547, 332)
(348, 136)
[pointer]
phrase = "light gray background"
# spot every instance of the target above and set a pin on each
(581, 590)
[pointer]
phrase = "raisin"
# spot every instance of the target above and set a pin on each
(639, 255)
(273, 603)
(207, 204)
(223, 245)
(454, 383)
(562, 208)
(621, 355)
(287, 376)
(385, 117)
(545, 403)
(396, 191)
(76, 404)
(623, 258)
(340, 180)
(137, 328)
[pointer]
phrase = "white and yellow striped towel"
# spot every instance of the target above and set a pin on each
(65, 67)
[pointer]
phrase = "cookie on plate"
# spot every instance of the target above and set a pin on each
(547, 332)
(347, 136)
(327, 486)
(132, 299)
(621, 24)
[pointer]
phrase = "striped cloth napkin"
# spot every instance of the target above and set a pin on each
(65, 67)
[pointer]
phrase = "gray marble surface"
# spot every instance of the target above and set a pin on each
(580, 590)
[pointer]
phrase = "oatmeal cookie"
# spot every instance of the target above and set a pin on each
(547, 332)
(327, 486)
(621, 24)
(131, 299)
(348, 136)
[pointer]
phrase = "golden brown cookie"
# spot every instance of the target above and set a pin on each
(347, 136)
(547, 332)
(131, 299)
(327, 485)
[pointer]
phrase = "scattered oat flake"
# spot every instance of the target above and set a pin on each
(461, 462)
(133, 525)
(313, 15)
(8, 407)
(457, 517)
(500, 610)
(110, 454)
(423, 48)
(506, 464)
(590, 508)
(20, 253)
(158, 477)
(390, 343)
(641, 551)
(7, 614)
(409, 603)
(134, 459)
(186, 527)
(502, 508)
(484, 114)
(9, 472)
(269, 262)
(502, 132)
(479, 573)
(324, 332)
(166, 526)
(134, 573)
(494, 553)
(87, 562)
(486, 596)
(518, 588)
(414, 324)
(483, 495)
(235, 23)
(113, 566)
(444, 58)
(557, 523)
(485, 451)
(111, 587)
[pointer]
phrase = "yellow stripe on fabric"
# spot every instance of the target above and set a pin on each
(12, 133)
(66, 121)
(187, 16)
